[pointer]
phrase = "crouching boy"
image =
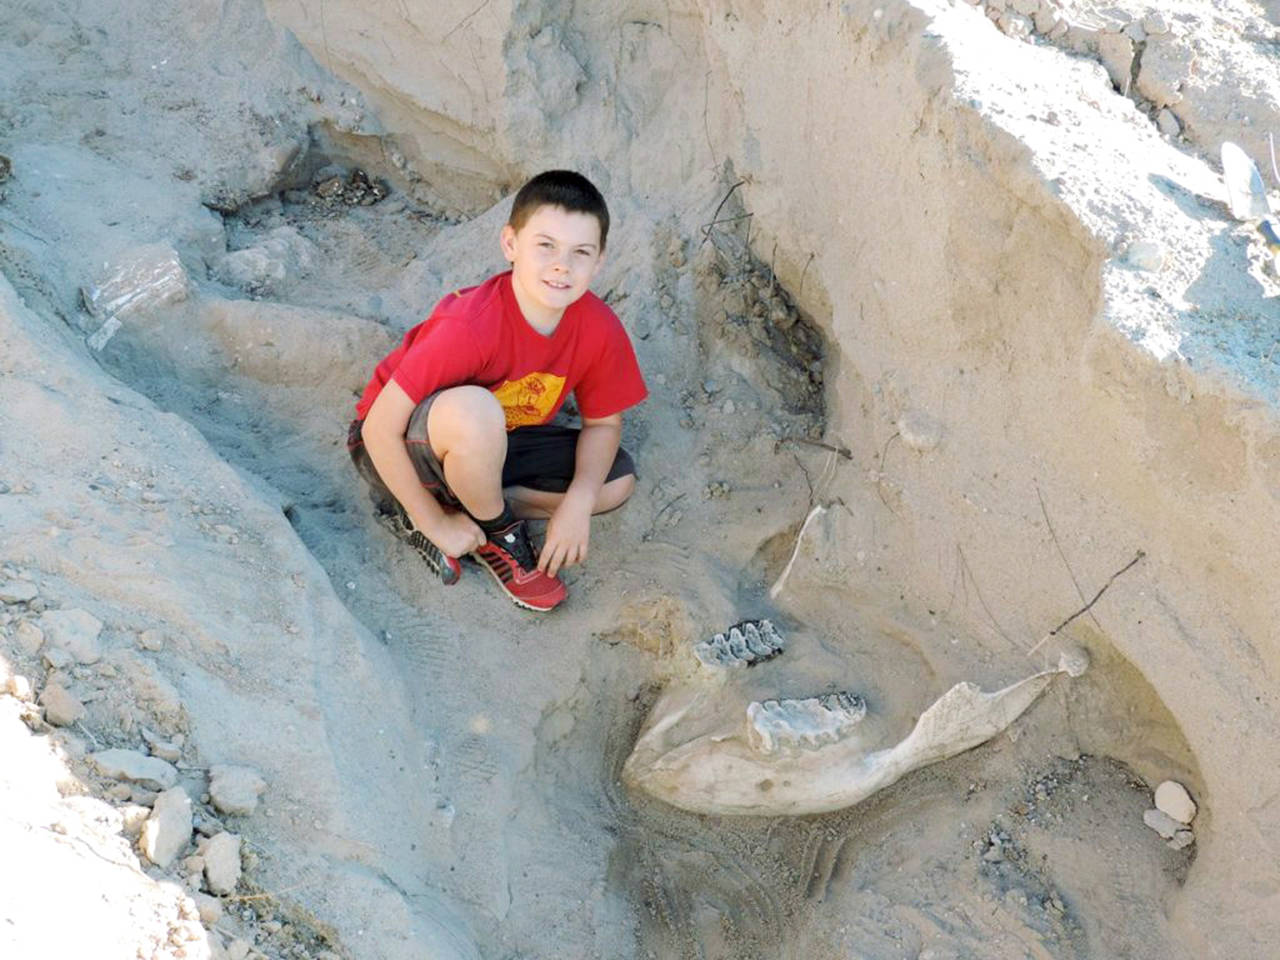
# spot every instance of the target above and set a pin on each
(452, 431)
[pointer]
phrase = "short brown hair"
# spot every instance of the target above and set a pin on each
(560, 188)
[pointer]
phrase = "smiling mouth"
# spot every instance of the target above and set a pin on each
(556, 284)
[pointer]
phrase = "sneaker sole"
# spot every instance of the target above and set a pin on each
(449, 573)
(511, 596)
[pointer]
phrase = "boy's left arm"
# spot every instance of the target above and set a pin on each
(569, 528)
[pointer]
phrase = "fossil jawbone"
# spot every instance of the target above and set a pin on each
(720, 772)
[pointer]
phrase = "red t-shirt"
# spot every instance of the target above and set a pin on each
(479, 336)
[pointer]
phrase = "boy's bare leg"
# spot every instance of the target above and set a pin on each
(530, 504)
(468, 433)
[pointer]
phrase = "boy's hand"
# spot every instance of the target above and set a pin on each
(456, 534)
(568, 531)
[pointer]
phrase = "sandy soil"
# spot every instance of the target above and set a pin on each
(959, 283)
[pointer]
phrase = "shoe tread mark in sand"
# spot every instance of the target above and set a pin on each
(744, 644)
(508, 556)
(810, 723)
(397, 521)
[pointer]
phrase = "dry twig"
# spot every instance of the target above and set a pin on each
(706, 228)
(1085, 609)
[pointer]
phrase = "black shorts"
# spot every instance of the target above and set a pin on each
(540, 458)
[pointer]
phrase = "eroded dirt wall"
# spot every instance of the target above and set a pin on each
(964, 290)
(965, 294)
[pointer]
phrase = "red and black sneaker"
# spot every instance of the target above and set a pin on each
(508, 555)
(397, 521)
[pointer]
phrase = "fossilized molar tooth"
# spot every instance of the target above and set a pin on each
(774, 724)
(743, 645)
(695, 755)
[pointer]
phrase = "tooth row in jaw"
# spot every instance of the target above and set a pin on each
(812, 722)
(743, 645)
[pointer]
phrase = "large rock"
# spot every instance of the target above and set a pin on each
(235, 790)
(150, 772)
(75, 631)
(168, 829)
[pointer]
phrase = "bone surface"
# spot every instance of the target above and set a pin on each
(689, 758)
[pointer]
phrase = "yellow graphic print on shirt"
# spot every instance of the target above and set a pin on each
(530, 399)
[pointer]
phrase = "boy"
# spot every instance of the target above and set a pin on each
(451, 431)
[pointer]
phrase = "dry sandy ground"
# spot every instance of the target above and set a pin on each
(935, 267)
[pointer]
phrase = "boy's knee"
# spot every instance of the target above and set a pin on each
(465, 413)
(616, 492)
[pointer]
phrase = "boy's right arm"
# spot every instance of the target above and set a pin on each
(383, 432)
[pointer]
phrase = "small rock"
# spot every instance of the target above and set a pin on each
(221, 862)
(168, 829)
(17, 591)
(75, 631)
(919, 431)
(235, 790)
(210, 908)
(55, 658)
(1073, 661)
(161, 748)
(61, 707)
(151, 772)
(1161, 823)
(1155, 24)
(141, 795)
(6, 167)
(207, 826)
(1181, 839)
(20, 687)
(120, 791)
(29, 637)
(151, 640)
(237, 950)
(193, 864)
(133, 818)
(1145, 255)
(1167, 123)
(1115, 50)
(1173, 799)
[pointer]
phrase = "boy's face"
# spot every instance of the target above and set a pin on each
(554, 257)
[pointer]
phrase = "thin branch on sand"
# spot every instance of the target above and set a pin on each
(1085, 609)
